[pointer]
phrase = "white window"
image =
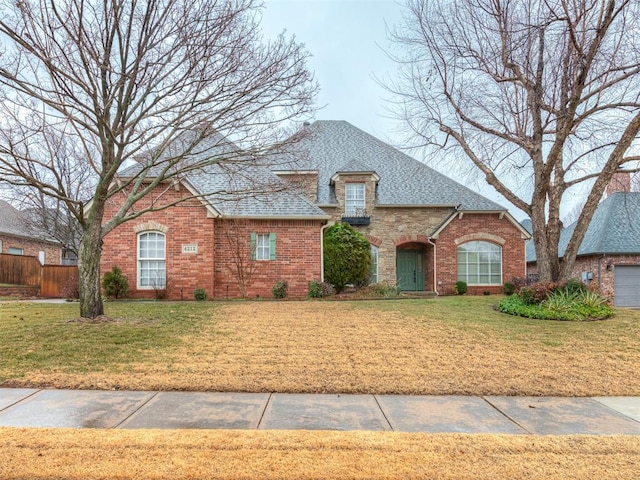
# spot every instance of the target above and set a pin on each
(354, 199)
(151, 260)
(480, 263)
(0, 246)
(41, 257)
(16, 251)
(374, 264)
(263, 246)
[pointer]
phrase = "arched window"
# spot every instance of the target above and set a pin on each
(480, 263)
(151, 260)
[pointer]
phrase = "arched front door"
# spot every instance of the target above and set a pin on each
(410, 269)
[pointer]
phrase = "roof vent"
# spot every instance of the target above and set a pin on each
(306, 123)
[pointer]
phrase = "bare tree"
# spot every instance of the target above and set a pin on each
(242, 253)
(540, 95)
(173, 86)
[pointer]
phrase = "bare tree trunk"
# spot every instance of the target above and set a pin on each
(89, 272)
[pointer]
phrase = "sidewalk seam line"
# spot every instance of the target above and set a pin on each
(21, 400)
(505, 415)
(119, 424)
(264, 410)
(618, 412)
(375, 397)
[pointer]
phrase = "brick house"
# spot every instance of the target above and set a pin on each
(426, 230)
(610, 252)
(228, 245)
(19, 237)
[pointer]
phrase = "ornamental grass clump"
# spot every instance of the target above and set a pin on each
(572, 301)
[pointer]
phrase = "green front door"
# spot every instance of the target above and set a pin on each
(410, 269)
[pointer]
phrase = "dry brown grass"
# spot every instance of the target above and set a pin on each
(383, 347)
(190, 454)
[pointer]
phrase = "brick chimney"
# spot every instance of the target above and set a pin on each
(620, 182)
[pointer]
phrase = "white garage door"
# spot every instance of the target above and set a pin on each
(627, 285)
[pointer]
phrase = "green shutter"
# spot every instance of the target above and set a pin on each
(253, 245)
(272, 246)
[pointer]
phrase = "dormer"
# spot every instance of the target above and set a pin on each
(355, 191)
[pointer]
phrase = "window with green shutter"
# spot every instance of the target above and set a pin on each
(263, 246)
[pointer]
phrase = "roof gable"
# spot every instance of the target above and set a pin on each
(335, 146)
(237, 188)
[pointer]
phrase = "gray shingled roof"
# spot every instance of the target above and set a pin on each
(614, 229)
(16, 222)
(249, 190)
(333, 146)
(238, 187)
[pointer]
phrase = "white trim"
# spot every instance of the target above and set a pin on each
(355, 193)
(435, 266)
(524, 234)
(268, 247)
(278, 217)
(295, 172)
(478, 274)
(415, 206)
(158, 259)
(337, 175)
(212, 212)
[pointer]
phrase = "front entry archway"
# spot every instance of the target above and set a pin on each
(410, 269)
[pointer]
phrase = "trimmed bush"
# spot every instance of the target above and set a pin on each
(200, 295)
(537, 293)
(315, 289)
(319, 289)
(460, 288)
(509, 288)
(280, 289)
(347, 256)
(115, 283)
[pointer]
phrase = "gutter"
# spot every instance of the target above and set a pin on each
(435, 267)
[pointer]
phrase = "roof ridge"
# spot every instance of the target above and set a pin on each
(418, 164)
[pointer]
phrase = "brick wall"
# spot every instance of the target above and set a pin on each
(53, 253)
(393, 227)
(597, 265)
(297, 256)
(183, 224)
(486, 227)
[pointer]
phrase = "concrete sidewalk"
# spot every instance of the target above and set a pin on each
(430, 414)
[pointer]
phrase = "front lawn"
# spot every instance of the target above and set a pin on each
(452, 345)
(216, 454)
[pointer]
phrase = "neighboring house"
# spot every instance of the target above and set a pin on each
(610, 252)
(426, 230)
(18, 237)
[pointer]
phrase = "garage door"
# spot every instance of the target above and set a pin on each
(627, 285)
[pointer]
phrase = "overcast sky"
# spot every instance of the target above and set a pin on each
(347, 41)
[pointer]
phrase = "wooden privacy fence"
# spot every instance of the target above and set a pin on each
(53, 280)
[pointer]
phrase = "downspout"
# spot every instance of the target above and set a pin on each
(322, 229)
(435, 267)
